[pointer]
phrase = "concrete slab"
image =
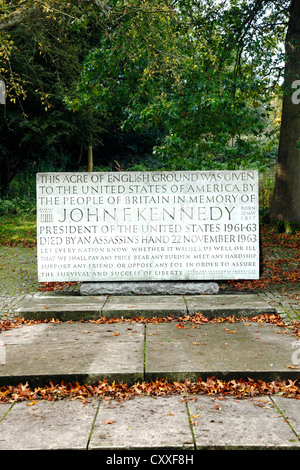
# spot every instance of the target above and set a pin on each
(129, 352)
(290, 410)
(62, 307)
(228, 304)
(182, 422)
(239, 424)
(47, 425)
(225, 350)
(4, 409)
(146, 306)
(73, 306)
(143, 423)
(80, 351)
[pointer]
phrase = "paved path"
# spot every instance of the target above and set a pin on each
(163, 425)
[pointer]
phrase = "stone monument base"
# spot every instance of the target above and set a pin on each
(149, 288)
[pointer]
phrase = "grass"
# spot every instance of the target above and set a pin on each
(16, 230)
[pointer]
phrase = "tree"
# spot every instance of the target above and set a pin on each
(40, 59)
(197, 71)
(199, 76)
(286, 198)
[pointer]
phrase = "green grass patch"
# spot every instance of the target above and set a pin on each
(18, 230)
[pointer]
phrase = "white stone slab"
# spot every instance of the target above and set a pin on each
(48, 425)
(143, 423)
(229, 424)
(148, 226)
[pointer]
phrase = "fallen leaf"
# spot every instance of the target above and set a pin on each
(116, 334)
(32, 403)
(230, 331)
(108, 421)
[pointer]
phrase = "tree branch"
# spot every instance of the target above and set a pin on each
(16, 17)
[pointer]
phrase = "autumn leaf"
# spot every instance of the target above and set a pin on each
(160, 387)
(230, 331)
(108, 421)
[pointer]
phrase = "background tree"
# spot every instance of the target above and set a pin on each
(286, 198)
(150, 84)
(40, 59)
(201, 74)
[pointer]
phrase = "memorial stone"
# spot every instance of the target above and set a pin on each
(147, 227)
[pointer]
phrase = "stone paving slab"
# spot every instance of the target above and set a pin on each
(228, 350)
(132, 352)
(143, 423)
(286, 305)
(53, 425)
(229, 424)
(228, 304)
(70, 352)
(162, 424)
(290, 410)
(72, 306)
(62, 307)
(146, 306)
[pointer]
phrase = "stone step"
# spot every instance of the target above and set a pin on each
(129, 352)
(73, 306)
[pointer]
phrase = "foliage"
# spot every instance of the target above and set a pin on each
(37, 131)
(198, 72)
(16, 206)
(165, 85)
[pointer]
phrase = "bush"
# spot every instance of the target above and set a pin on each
(266, 188)
(16, 206)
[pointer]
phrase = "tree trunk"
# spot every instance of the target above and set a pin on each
(285, 204)
(90, 158)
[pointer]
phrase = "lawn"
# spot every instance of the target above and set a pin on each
(18, 230)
